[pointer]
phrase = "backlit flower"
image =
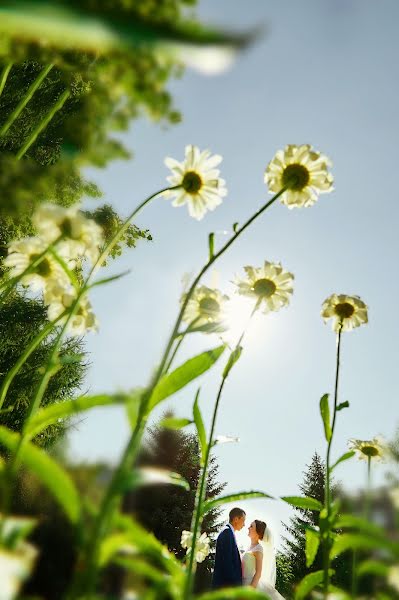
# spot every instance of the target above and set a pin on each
(303, 171)
(365, 449)
(200, 186)
(269, 285)
(80, 235)
(206, 309)
(60, 299)
(23, 253)
(202, 547)
(347, 312)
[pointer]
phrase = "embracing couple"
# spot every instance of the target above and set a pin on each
(256, 567)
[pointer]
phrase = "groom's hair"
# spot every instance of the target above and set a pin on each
(236, 512)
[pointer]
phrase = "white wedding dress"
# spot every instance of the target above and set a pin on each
(268, 577)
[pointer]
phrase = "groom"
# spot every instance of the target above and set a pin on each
(227, 572)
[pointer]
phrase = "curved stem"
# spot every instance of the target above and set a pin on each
(4, 75)
(180, 337)
(131, 450)
(24, 101)
(43, 124)
(200, 496)
(327, 500)
(24, 357)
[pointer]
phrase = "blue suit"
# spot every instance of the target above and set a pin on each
(227, 572)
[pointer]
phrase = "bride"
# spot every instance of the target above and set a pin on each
(259, 561)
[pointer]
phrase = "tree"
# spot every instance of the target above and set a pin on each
(167, 510)
(313, 485)
(21, 318)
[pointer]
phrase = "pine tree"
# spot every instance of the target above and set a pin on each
(167, 510)
(312, 486)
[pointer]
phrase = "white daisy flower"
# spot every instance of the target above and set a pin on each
(61, 298)
(22, 253)
(346, 312)
(270, 285)
(200, 186)
(206, 308)
(374, 449)
(81, 236)
(202, 547)
(303, 171)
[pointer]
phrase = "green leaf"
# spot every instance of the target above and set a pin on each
(211, 245)
(373, 567)
(234, 356)
(175, 423)
(342, 458)
(54, 413)
(235, 227)
(237, 592)
(303, 502)
(354, 541)
(113, 544)
(50, 474)
(308, 583)
(343, 405)
(312, 545)
(109, 279)
(183, 375)
(214, 503)
(362, 525)
(325, 415)
(199, 423)
(153, 476)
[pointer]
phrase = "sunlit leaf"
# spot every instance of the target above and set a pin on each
(174, 423)
(356, 541)
(153, 476)
(109, 279)
(56, 412)
(199, 423)
(133, 405)
(183, 375)
(308, 583)
(303, 502)
(57, 481)
(312, 545)
(15, 529)
(342, 458)
(114, 543)
(233, 358)
(325, 415)
(214, 503)
(373, 567)
(225, 439)
(361, 525)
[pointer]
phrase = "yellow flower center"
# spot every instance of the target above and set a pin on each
(264, 288)
(370, 451)
(192, 182)
(43, 268)
(344, 310)
(295, 177)
(209, 307)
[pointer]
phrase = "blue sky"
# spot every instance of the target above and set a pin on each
(324, 73)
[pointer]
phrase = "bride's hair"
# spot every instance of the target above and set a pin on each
(260, 527)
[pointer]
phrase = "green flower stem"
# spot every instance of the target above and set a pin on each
(24, 101)
(180, 337)
(110, 499)
(24, 357)
(327, 501)
(367, 504)
(201, 492)
(43, 124)
(4, 75)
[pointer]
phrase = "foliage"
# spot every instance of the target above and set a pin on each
(167, 510)
(21, 318)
